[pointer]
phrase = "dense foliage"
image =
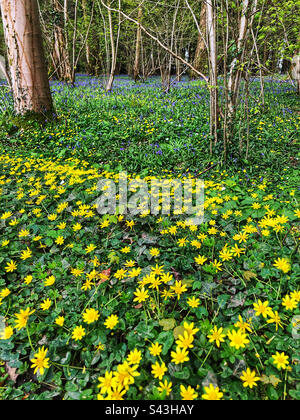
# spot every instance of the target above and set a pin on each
(148, 307)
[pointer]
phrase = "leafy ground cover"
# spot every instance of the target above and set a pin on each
(145, 307)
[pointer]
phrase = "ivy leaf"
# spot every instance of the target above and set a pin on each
(167, 324)
(248, 275)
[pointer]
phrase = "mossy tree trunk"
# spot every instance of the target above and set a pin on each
(28, 71)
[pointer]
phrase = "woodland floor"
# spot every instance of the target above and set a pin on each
(149, 307)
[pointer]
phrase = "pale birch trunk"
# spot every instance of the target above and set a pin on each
(28, 71)
(114, 49)
(235, 74)
(87, 45)
(213, 70)
(136, 67)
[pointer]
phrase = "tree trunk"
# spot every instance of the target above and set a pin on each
(136, 67)
(213, 67)
(29, 78)
(200, 60)
(237, 64)
(61, 56)
(295, 73)
(87, 45)
(113, 63)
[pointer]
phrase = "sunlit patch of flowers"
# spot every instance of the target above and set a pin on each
(124, 307)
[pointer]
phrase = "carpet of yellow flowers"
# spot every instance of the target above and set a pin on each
(121, 307)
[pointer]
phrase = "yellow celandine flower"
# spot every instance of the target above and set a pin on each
(117, 393)
(213, 231)
(90, 248)
(87, 285)
(37, 238)
(100, 346)
(52, 217)
(134, 357)
(190, 328)
(155, 349)
(105, 224)
(216, 336)
(262, 308)
(60, 240)
(61, 207)
(130, 264)
(154, 282)
(154, 252)
(212, 393)
(6, 215)
(182, 242)
(49, 281)
(283, 264)
(141, 295)
(126, 250)
(92, 275)
(106, 382)
(90, 316)
(237, 252)
(120, 274)
(11, 267)
(243, 326)
(217, 265)
(196, 244)
(296, 295)
(166, 278)
(62, 226)
(200, 260)
(179, 288)
(185, 341)
(280, 360)
(5, 243)
(24, 233)
(193, 302)
(77, 227)
(60, 321)
(158, 270)
(77, 272)
(4, 293)
(40, 362)
(289, 303)
(22, 318)
(7, 333)
(275, 319)
(249, 378)
(135, 272)
(111, 322)
(226, 254)
(130, 224)
(26, 254)
(173, 230)
(256, 206)
(241, 237)
(188, 394)
(46, 304)
(78, 333)
(238, 339)
(95, 261)
(125, 374)
(180, 356)
(165, 387)
(158, 370)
